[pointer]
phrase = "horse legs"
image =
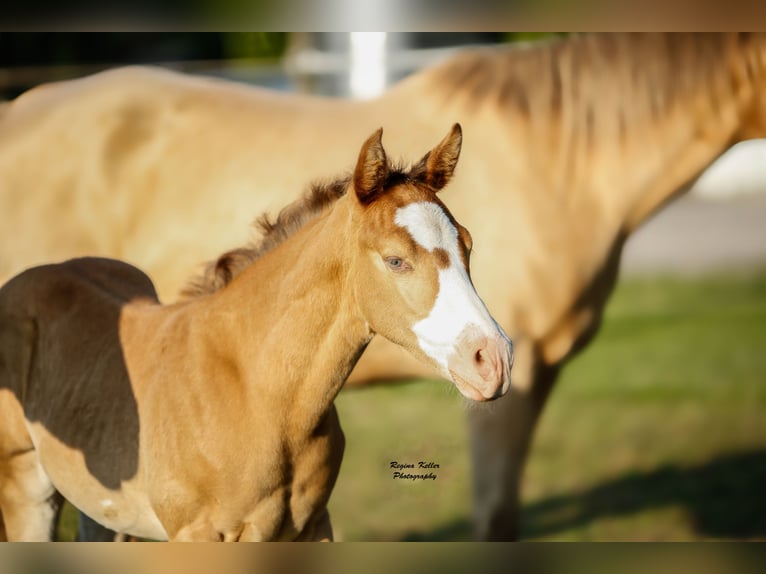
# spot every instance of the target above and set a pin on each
(29, 502)
(500, 434)
(319, 530)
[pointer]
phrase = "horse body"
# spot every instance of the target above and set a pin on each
(37, 311)
(181, 425)
(572, 145)
(213, 418)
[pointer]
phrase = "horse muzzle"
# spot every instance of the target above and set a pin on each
(481, 365)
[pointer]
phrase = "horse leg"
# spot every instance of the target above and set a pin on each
(500, 434)
(30, 504)
(28, 500)
(323, 528)
(319, 530)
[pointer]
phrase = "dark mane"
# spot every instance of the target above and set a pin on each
(220, 272)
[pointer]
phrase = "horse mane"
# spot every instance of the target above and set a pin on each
(272, 233)
(601, 85)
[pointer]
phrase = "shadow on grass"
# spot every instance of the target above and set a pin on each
(724, 498)
(457, 530)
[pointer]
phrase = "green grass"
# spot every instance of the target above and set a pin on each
(656, 432)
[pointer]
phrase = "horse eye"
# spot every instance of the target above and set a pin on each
(396, 263)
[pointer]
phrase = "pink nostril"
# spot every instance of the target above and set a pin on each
(481, 365)
(483, 360)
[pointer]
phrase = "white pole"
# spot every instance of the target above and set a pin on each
(367, 76)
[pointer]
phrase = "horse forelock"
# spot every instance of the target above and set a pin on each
(273, 232)
(606, 82)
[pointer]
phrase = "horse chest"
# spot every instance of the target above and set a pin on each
(267, 488)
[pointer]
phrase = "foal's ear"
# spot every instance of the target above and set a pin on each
(371, 169)
(438, 165)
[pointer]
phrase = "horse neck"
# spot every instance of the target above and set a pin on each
(624, 119)
(295, 329)
(648, 137)
(688, 121)
(663, 159)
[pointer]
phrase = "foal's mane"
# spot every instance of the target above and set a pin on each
(601, 84)
(272, 233)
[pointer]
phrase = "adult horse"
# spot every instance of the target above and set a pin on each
(213, 418)
(571, 145)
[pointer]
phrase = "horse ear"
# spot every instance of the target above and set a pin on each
(371, 168)
(438, 165)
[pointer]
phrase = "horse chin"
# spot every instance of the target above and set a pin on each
(469, 391)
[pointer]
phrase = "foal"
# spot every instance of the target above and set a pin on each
(213, 418)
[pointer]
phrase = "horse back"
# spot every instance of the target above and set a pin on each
(94, 281)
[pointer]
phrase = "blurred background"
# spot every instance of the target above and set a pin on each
(657, 431)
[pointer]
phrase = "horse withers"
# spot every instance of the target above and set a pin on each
(213, 418)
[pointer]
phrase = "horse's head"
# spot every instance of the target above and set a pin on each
(412, 277)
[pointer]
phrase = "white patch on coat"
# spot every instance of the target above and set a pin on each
(457, 304)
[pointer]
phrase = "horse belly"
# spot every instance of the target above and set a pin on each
(126, 509)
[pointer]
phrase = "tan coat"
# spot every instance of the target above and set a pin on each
(213, 418)
(569, 146)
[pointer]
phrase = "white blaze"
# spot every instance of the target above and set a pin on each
(457, 304)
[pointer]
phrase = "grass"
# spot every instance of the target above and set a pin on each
(656, 432)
